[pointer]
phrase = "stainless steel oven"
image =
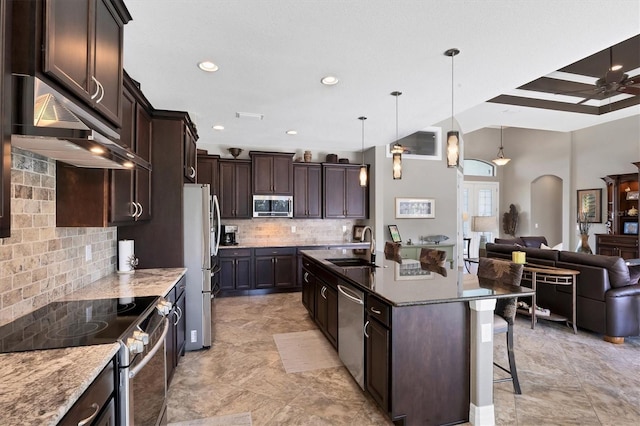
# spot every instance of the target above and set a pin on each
(138, 324)
(143, 382)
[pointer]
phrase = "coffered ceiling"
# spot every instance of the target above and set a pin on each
(273, 54)
(587, 86)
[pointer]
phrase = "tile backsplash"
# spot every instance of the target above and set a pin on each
(40, 262)
(275, 231)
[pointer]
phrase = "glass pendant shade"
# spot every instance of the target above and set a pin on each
(363, 167)
(500, 160)
(363, 175)
(453, 149)
(397, 160)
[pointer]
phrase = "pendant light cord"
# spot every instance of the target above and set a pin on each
(452, 109)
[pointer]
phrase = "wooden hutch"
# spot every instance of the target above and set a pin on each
(622, 212)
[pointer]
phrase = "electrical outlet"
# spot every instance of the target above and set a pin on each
(194, 336)
(87, 252)
(344, 228)
(293, 229)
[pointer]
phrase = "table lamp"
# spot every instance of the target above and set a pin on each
(483, 224)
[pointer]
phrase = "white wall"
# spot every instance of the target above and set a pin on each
(420, 179)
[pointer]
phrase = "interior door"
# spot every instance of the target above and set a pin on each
(479, 199)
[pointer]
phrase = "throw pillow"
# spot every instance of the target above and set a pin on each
(546, 247)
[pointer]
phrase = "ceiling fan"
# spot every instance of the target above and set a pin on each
(614, 81)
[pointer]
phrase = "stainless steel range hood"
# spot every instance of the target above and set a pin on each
(49, 124)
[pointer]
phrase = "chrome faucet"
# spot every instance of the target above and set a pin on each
(372, 245)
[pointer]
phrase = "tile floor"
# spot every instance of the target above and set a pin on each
(566, 379)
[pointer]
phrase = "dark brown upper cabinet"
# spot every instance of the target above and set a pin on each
(235, 189)
(78, 45)
(307, 191)
(90, 197)
(5, 122)
(343, 195)
(208, 170)
(272, 173)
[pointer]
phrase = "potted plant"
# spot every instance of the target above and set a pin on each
(583, 228)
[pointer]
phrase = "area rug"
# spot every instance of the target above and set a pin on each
(305, 351)
(240, 419)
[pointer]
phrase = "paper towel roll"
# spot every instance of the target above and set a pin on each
(126, 256)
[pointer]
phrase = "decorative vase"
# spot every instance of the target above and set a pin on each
(584, 244)
(307, 156)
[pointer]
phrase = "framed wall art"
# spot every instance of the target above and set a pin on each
(415, 208)
(590, 205)
(395, 234)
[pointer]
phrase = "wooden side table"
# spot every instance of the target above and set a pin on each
(539, 274)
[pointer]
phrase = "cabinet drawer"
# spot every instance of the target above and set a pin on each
(98, 393)
(275, 251)
(617, 240)
(378, 309)
(243, 252)
(180, 287)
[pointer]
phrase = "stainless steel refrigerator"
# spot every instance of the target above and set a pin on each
(201, 216)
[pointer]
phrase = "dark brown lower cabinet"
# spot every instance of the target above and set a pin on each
(378, 338)
(625, 246)
(235, 269)
(175, 340)
(309, 291)
(326, 311)
(275, 267)
(102, 392)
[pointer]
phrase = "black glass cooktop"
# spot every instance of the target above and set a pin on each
(73, 323)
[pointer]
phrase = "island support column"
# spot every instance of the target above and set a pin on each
(481, 410)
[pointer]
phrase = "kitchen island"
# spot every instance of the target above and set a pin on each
(39, 387)
(428, 338)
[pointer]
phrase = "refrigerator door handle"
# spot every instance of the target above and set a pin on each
(216, 220)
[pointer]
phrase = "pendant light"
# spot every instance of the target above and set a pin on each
(397, 149)
(453, 140)
(501, 160)
(363, 167)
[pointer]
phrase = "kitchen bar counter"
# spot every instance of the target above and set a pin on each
(39, 387)
(407, 284)
(423, 331)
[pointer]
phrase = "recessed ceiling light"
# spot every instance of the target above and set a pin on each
(616, 67)
(292, 132)
(218, 127)
(329, 80)
(128, 164)
(207, 66)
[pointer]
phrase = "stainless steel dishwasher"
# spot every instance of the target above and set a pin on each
(350, 335)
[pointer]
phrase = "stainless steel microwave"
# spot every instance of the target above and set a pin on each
(272, 206)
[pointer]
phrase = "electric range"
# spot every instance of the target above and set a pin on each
(139, 324)
(66, 324)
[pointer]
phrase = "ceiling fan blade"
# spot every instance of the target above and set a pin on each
(630, 90)
(588, 98)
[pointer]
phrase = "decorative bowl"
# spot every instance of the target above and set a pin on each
(235, 152)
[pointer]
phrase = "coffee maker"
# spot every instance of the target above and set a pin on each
(229, 233)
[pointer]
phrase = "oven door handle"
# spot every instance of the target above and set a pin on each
(135, 370)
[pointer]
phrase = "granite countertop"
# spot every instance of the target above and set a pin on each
(39, 387)
(251, 244)
(408, 284)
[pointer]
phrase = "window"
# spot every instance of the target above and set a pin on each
(422, 145)
(473, 167)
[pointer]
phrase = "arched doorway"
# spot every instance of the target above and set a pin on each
(546, 208)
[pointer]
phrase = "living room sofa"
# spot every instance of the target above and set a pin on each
(607, 290)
